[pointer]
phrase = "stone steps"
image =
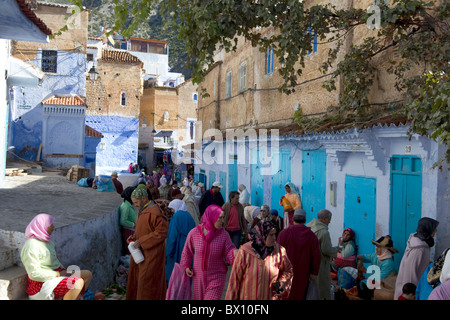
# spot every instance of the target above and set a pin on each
(13, 278)
(7, 257)
(13, 283)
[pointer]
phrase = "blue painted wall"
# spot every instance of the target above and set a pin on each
(367, 155)
(26, 116)
(119, 145)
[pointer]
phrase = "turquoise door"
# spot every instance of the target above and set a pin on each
(223, 182)
(257, 180)
(201, 177)
(232, 177)
(212, 178)
(406, 200)
(360, 211)
(314, 165)
(279, 179)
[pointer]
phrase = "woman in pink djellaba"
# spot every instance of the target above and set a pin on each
(207, 250)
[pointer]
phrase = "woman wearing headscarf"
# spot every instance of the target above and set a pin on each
(261, 270)
(155, 179)
(417, 254)
(191, 204)
(346, 257)
(164, 189)
(261, 214)
(442, 292)
(430, 279)
(179, 227)
(127, 217)
(47, 278)
(208, 246)
(290, 202)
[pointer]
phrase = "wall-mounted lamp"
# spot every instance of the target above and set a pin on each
(93, 73)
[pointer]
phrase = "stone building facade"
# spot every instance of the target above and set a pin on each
(114, 107)
(62, 62)
(375, 180)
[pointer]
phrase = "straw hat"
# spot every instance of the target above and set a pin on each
(385, 242)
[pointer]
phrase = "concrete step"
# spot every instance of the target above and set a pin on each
(8, 257)
(13, 283)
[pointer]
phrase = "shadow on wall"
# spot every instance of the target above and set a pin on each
(94, 245)
(25, 135)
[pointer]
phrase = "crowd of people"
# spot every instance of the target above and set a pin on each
(196, 231)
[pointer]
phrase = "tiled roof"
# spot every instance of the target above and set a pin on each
(91, 132)
(120, 56)
(65, 100)
(23, 5)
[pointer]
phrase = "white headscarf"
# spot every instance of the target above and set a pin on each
(163, 181)
(178, 205)
(445, 273)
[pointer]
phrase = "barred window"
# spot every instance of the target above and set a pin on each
(49, 61)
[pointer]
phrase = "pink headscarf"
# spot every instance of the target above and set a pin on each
(209, 218)
(37, 228)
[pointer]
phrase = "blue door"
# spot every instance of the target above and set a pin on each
(232, 177)
(314, 165)
(201, 177)
(360, 211)
(223, 182)
(406, 200)
(212, 178)
(257, 180)
(279, 179)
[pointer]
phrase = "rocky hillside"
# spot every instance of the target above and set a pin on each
(102, 17)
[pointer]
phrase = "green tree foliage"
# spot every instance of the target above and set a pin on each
(416, 29)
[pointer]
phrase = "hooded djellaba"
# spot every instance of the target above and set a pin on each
(417, 254)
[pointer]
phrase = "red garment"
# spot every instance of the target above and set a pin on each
(60, 290)
(402, 298)
(118, 185)
(233, 220)
(302, 247)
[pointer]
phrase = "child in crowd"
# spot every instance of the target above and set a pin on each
(409, 292)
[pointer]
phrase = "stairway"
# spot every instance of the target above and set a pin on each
(13, 278)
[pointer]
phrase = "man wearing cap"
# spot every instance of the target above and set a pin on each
(117, 183)
(212, 196)
(147, 280)
(176, 194)
(302, 247)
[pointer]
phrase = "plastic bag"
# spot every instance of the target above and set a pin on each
(313, 291)
(83, 182)
(179, 284)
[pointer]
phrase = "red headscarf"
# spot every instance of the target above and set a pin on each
(209, 218)
(352, 233)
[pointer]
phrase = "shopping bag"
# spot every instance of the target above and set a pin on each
(179, 284)
(313, 291)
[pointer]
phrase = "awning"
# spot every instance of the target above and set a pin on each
(23, 74)
(19, 22)
(164, 134)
